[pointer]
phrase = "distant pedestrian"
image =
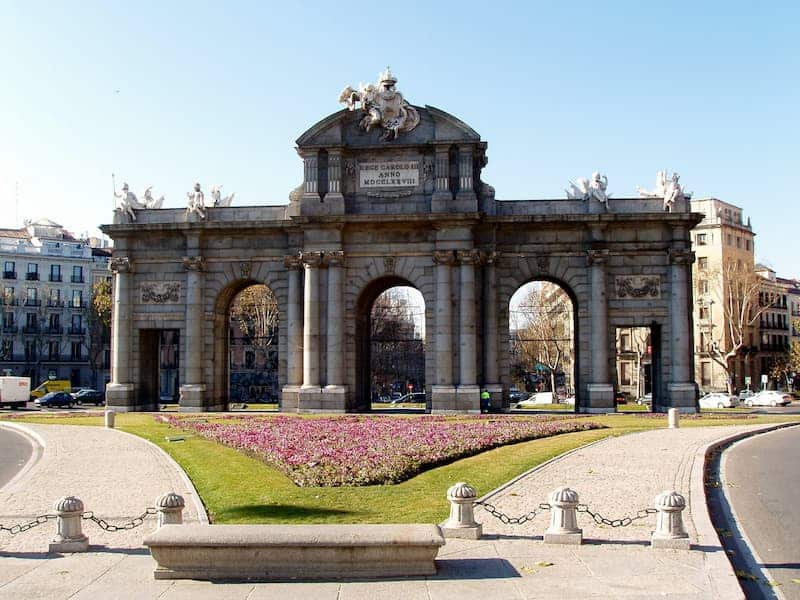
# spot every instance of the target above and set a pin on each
(486, 401)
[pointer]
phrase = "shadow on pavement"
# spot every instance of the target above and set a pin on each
(474, 568)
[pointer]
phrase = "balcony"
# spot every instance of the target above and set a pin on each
(32, 276)
(77, 304)
(77, 279)
(9, 301)
(56, 278)
(10, 328)
(55, 303)
(9, 274)
(33, 302)
(54, 330)
(30, 329)
(77, 331)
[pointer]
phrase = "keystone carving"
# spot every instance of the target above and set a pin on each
(120, 264)
(194, 263)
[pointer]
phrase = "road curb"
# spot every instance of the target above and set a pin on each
(38, 444)
(720, 570)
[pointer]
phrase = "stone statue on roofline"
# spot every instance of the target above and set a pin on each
(196, 202)
(585, 189)
(128, 202)
(218, 200)
(383, 106)
(149, 201)
(670, 190)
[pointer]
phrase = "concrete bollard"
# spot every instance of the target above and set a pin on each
(563, 518)
(110, 414)
(670, 532)
(461, 523)
(69, 536)
(170, 509)
(673, 418)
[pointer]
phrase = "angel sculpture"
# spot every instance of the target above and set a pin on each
(218, 200)
(196, 202)
(661, 185)
(586, 189)
(149, 201)
(669, 189)
(128, 202)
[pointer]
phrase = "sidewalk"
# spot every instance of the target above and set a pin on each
(118, 476)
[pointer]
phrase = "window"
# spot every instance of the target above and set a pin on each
(33, 272)
(702, 286)
(705, 373)
(702, 263)
(55, 298)
(52, 351)
(75, 351)
(77, 298)
(738, 242)
(625, 373)
(30, 351)
(249, 359)
(32, 297)
(8, 319)
(703, 313)
(703, 341)
(747, 245)
(730, 240)
(701, 239)
(55, 322)
(76, 324)
(624, 342)
(55, 272)
(8, 296)
(9, 270)
(7, 350)
(77, 274)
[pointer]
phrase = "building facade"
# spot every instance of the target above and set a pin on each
(386, 203)
(47, 283)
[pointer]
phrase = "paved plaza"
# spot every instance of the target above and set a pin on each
(118, 476)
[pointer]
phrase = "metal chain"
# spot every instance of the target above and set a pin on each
(106, 526)
(504, 518)
(21, 527)
(623, 522)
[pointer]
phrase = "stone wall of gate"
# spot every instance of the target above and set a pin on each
(374, 212)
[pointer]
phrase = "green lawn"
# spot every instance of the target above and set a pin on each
(238, 489)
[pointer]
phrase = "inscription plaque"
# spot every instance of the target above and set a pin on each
(383, 174)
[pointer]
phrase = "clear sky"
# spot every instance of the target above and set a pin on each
(169, 93)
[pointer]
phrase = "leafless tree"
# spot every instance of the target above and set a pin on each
(255, 312)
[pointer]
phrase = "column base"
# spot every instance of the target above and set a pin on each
(682, 396)
(310, 399)
(192, 397)
(443, 399)
(290, 398)
(121, 397)
(440, 201)
(599, 398)
(68, 546)
(334, 397)
(672, 543)
(462, 533)
(468, 399)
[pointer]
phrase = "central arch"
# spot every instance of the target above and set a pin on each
(404, 381)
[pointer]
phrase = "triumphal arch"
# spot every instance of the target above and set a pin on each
(393, 193)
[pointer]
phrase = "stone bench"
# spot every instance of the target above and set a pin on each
(275, 552)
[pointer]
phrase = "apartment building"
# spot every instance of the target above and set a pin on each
(47, 280)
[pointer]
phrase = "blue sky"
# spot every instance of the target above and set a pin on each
(169, 93)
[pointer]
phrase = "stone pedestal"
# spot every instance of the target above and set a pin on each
(443, 399)
(192, 397)
(334, 398)
(599, 398)
(310, 399)
(468, 399)
(121, 397)
(681, 396)
(290, 398)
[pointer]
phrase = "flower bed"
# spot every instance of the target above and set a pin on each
(367, 450)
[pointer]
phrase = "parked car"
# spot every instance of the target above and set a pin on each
(646, 399)
(718, 400)
(745, 394)
(517, 395)
(55, 399)
(88, 396)
(769, 398)
(619, 398)
(414, 397)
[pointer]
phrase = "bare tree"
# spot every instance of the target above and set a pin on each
(255, 311)
(737, 293)
(545, 332)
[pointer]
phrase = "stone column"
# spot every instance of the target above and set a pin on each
(311, 175)
(442, 194)
(333, 396)
(600, 392)
(443, 392)
(310, 391)
(334, 200)
(468, 392)
(682, 389)
(120, 392)
(294, 335)
(193, 390)
(491, 379)
(465, 185)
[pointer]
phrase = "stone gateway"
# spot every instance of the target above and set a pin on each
(383, 204)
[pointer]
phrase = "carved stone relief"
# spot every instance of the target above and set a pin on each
(161, 292)
(638, 286)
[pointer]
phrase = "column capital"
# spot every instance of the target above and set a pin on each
(120, 264)
(598, 257)
(490, 257)
(680, 257)
(444, 257)
(333, 258)
(469, 257)
(292, 262)
(194, 263)
(311, 259)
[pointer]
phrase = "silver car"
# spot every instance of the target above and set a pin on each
(719, 400)
(769, 398)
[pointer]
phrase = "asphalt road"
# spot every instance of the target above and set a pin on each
(15, 451)
(762, 479)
